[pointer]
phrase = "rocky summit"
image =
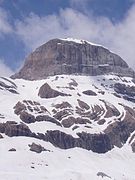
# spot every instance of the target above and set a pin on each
(69, 114)
(70, 56)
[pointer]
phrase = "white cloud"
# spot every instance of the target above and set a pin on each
(4, 69)
(35, 30)
(5, 26)
(120, 37)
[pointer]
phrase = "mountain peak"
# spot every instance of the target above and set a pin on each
(79, 41)
(71, 56)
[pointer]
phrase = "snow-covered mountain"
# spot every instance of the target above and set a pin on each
(69, 126)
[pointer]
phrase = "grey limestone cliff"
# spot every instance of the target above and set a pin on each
(59, 56)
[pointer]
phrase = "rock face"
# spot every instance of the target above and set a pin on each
(128, 92)
(59, 56)
(20, 110)
(125, 90)
(8, 85)
(11, 128)
(99, 143)
(120, 131)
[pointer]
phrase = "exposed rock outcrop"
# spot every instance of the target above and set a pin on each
(47, 119)
(11, 128)
(29, 106)
(29, 118)
(116, 134)
(101, 122)
(63, 105)
(8, 85)
(110, 110)
(125, 90)
(59, 56)
(99, 143)
(37, 148)
(26, 117)
(63, 113)
(103, 175)
(12, 150)
(19, 107)
(120, 131)
(68, 122)
(89, 93)
(83, 105)
(1, 136)
(133, 146)
(46, 91)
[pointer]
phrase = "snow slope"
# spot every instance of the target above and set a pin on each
(75, 164)
(59, 164)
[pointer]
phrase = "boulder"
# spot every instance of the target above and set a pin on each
(12, 150)
(89, 93)
(46, 91)
(36, 148)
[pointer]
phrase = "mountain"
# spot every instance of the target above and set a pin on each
(74, 125)
(71, 56)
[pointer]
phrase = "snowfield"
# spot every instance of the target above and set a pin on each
(75, 164)
(61, 164)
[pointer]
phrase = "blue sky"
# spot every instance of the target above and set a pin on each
(26, 24)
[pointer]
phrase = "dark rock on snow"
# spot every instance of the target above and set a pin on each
(1, 136)
(11, 128)
(37, 148)
(103, 175)
(125, 90)
(133, 146)
(89, 93)
(12, 150)
(46, 91)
